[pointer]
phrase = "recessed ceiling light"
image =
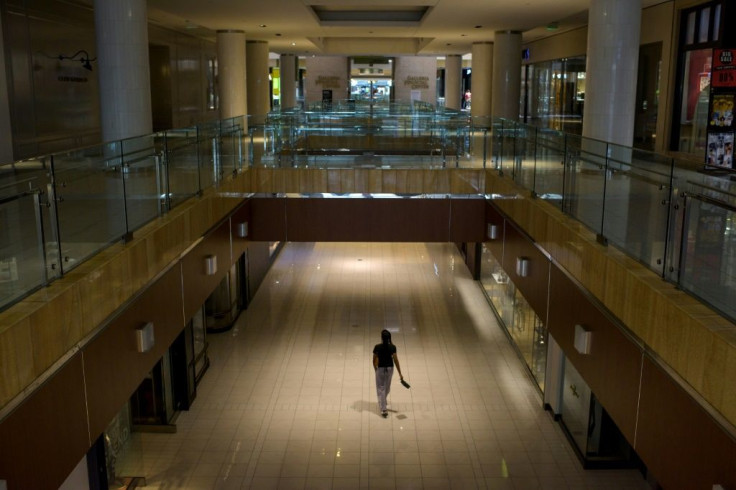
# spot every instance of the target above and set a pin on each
(293, 44)
(262, 25)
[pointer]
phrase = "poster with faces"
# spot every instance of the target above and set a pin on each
(720, 150)
(721, 114)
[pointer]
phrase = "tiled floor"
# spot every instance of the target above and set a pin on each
(289, 401)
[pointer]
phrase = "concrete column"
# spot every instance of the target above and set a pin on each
(256, 63)
(481, 79)
(453, 75)
(231, 73)
(6, 143)
(614, 29)
(121, 28)
(506, 88)
(287, 66)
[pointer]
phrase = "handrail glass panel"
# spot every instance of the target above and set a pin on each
(90, 201)
(144, 179)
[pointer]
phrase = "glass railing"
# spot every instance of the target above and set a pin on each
(58, 210)
(356, 133)
(673, 216)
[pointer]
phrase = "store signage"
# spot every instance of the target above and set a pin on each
(328, 81)
(414, 82)
(724, 68)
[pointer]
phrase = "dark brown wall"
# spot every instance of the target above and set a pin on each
(612, 368)
(268, 219)
(113, 365)
(534, 286)
(259, 261)
(376, 220)
(240, 215)
(46, 436)
(467, 220)
(198, 285)
(679, 442)
(494, 217)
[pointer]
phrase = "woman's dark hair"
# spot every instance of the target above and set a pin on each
(385, 337)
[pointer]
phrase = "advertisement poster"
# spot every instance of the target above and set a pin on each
(721, 110)
(720, 150)
(724, 68)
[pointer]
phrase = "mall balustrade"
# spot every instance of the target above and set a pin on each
(675, 217)
(672, 215)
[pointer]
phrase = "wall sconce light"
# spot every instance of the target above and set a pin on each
(522, 266)
(492, 231)
(144, 337)
(83, 58)
(241, 229)
(210, 265)
(583, 338)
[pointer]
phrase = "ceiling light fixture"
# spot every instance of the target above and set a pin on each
(293, 44)
(262, 25)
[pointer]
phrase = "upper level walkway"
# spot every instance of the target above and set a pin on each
(66, 215)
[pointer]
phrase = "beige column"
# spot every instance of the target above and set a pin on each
(481, 78)
(506, 88)
(453, 76)
(231, 73)
(614, 29)
(256, 63)
(287, 67)
(6, 143)
(121, 28)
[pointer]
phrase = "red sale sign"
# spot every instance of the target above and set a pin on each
(724, 68)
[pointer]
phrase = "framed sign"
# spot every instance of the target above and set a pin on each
(724, 68)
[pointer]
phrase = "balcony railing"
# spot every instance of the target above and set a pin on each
(677, 219)
(58, 210)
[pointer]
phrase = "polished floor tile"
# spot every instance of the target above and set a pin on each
(289, 401)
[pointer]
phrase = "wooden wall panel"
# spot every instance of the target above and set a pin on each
(259, 261)
(198, 285)
(494, 217)
(45, 437)
(113, 366)
(268, 219)
(467, 220)
(680, 443)
(613, 367)
(327, 220)
(240, 215)
(410, 220)
(534, 286)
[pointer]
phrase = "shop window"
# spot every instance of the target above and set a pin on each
(700, 33)
(521, 322)
(553, 94)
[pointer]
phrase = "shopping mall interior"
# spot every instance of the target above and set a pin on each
(211, 211)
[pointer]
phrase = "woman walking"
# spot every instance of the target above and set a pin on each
(384, 359)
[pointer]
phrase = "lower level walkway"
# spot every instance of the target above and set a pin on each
(289, 401)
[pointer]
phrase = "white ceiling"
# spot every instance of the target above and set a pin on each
(449, 26)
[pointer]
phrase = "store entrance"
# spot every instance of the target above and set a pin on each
(371, 79)
(371, 90)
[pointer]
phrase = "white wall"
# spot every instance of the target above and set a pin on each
(415, 73)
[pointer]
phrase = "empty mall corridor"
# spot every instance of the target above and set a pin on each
(289, 400)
